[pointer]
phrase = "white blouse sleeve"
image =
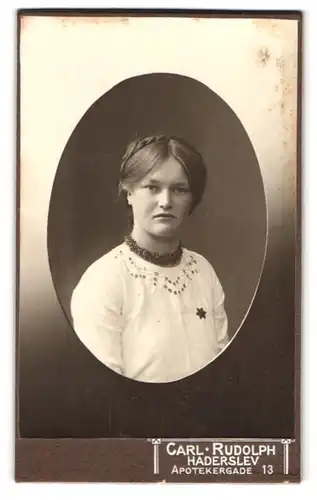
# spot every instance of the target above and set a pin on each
(220, 316)
(96, 308)
(218, 306)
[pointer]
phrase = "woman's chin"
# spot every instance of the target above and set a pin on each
(165, 233)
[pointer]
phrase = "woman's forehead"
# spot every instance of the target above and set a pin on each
(169, 171)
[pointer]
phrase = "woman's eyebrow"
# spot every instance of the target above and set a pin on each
(152, 181)
(156, 182)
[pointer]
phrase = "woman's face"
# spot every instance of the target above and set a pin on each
(162, 200)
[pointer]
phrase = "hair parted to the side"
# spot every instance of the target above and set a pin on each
(142, 155)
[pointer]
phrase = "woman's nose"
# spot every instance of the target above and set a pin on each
(165, 199)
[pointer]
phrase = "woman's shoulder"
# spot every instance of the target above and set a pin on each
(203, 264)
(107, 266)
(191, 255)
(101, 281)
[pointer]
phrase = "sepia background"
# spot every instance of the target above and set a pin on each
(66, 65)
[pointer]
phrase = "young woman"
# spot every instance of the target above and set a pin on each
(150, 309)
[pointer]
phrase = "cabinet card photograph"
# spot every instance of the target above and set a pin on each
(158, 268)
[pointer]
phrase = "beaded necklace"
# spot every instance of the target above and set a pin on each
(165, 259)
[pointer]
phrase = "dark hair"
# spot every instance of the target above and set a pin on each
(142, 155)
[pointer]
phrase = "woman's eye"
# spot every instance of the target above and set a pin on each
(153, 189)
(176, 189)
(181, 190)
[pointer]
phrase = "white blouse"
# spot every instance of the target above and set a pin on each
(150, 323)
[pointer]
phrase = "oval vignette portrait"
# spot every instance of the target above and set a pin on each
(157, 228)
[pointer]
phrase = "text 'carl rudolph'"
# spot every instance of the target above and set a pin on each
(202, 454)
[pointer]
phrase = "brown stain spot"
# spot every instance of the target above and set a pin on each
(286, 90)
(24, 21)
(268, 25)
(94, 20)
(280, 63)
(285, 86)
(264, 56)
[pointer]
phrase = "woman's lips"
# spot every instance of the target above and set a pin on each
(164, 216)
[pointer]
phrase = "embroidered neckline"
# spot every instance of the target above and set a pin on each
(160, 277)
(163, 260)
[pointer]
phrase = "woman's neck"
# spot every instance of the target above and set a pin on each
(153, 243)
